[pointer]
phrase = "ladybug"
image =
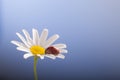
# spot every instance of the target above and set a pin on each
(52, 50)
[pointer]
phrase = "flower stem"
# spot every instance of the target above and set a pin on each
(35, 66)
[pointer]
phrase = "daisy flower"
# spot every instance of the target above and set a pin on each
(39, 45)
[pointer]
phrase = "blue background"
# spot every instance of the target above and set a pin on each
(90, 28)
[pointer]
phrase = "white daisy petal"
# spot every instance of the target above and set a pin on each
(59, 46)
(51, 40)
(41, 56)
(50, 56)
(43, 37)
(63, 51)
(19, 44)
(27, 35)
(27, 55)
(22, 38)
(23, 49)
(60, 56)
(35, 36)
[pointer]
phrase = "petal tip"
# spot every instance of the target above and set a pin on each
(42, 57)
(33, 28)
(17, 33)
(11, 41)
(61, 56)
(27, 55)
(23, 30)
(65, 45)
(66, 51)
(57, 36)
(45, 29)
(24, 57)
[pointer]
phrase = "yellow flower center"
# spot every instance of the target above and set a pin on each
(37, 50)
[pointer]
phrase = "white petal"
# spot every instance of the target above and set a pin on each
(60, 46)
(41, 56)
(27, 35)
(22, 38)
(63, 51)
(61, 56)
(50, 56)
(35, 36)
(19, 44)
(43, 37)
(51, 40)
(27, 55)
(23, 49)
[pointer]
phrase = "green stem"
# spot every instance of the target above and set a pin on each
(35, 66)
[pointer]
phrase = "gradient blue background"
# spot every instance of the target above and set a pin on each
(90, 28)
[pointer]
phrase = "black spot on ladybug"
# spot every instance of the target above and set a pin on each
(51, 50)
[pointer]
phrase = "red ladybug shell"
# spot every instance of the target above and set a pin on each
(52, 50)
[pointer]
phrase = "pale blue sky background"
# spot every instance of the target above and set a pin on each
(90, 28)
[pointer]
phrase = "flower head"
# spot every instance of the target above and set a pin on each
(39, 45)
